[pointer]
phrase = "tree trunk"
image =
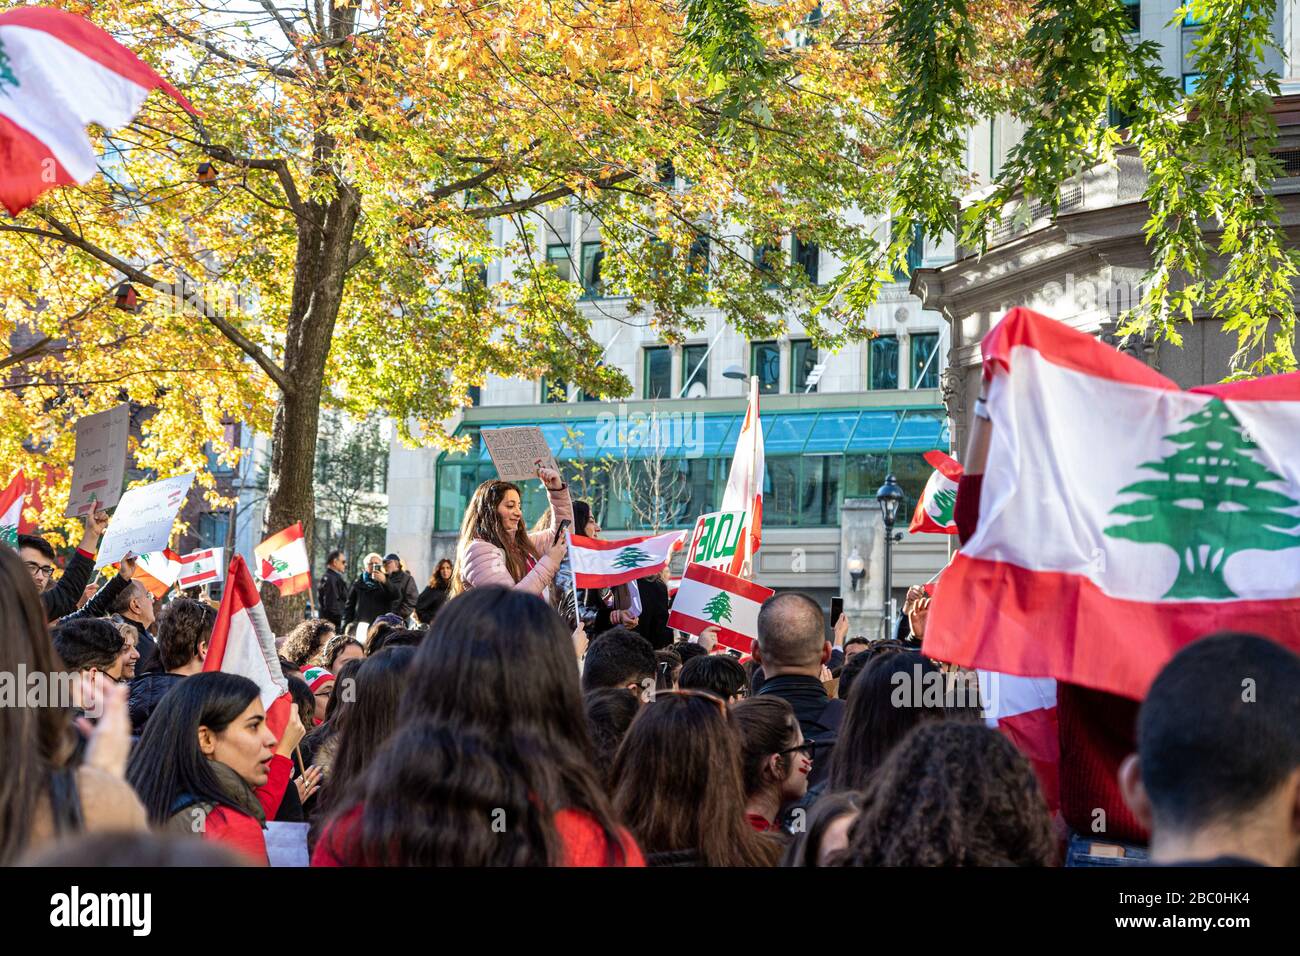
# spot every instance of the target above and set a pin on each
(324, 243)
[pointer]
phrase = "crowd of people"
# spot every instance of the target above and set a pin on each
(503, 717)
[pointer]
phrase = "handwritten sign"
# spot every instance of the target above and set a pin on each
(143, 519)
(515, 451)
(714, 540)
(99, 464)
(286, 843)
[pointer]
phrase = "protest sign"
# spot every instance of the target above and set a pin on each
(515, 451)
(715, 538)
(143, 519)
(99, 463)
(286, 843)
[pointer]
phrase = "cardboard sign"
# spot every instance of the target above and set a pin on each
(99, 464)
(515, 451)
(143, 519)
(715, 539)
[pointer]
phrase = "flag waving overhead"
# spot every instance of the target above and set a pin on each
(710, 598)
(243, 643)
(282, 561)
(934, 512)
(58, 74)
(11, 510)
(605, 564)
(745, 485)
(1108, 540)
(202, 567)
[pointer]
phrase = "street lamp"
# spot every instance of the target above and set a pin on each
(736, 372)
(857, 568)
(890, 497)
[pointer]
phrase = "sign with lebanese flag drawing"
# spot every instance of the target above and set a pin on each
(158, 571)
(934, 511)
(1120, 518)
(202, 567)
(282, 561)
(11, 510)
(58, 74)
(745, 486)
(605, 564)
(712, 598)
(243, 643)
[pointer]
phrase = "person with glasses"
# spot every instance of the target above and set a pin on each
(60, 596)
(775, 759)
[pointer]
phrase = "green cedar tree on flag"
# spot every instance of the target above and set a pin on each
(708, 598)
(934, 510)
(11, 510)
(605, 564)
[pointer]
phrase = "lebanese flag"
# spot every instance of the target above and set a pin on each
(11, 510)
(158, 571)
(282, 561)
(711, 598)
(745, 485)
(1120, 517)
(58, 74)
(243, 643)
(933, 512)
(200, 567)
(604, 564)
(1023, 709)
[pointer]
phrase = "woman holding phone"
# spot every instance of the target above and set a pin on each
(494, 548)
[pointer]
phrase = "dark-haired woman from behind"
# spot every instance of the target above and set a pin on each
(208, 764)
(677, 784)
(490, 762)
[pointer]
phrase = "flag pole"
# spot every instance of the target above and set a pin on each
(753, 476)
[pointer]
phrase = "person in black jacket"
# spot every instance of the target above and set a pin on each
(184, 629)
(400, 578)
(60, 597)
(371, 595)
(433, 597)
(653, 621)
(332, 592)
(135, 605)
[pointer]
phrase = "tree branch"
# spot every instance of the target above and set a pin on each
(280, 71)
(540, 199)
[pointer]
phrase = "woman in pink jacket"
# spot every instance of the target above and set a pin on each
(494, 548)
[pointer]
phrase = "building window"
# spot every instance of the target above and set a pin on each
(808, 256)
(765, 362)
(557, 255)
(883, 362)
(1133, 10)
(765, 255)
(915, 252)
(803, 359)
(475, 395)
(1190, 82)
(592, 257)
(1190, 18)
(698, 260)
(925, 363)
(658, 372)
(554, 392)
(695, 370)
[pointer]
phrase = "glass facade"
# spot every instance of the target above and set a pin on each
(557, 254)
(925, 368)
(593, 254)
(695, 370)
(803, 359)
(765, 362)
(883, 361)
(658, 372)
(808, 256)
(815, 459)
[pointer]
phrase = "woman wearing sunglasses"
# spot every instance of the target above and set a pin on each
(775, 759)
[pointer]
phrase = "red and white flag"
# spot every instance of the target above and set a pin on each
(711, 598)
(934, 511)
(282, 561)
(745, 485)
(1107, 540)
(605, 564)
(58, 74)
(243, 643)
(202, 567)
(158, 571)
(1023, 709)
(11, 510)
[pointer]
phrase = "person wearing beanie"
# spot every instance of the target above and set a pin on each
(321, 683)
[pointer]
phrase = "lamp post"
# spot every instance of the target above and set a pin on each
(890, 498)
(857, 568)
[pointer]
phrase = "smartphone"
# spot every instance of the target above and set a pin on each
(559, 532)
(837, 608)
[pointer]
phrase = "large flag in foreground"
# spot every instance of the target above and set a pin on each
(606, 564)
(243, 643)
(934, 510)
(745, 485)
(282, 561)
(1120, 518)
(58, 74)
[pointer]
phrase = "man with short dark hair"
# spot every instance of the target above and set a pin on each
(792, 649)
(854, 646)
(135, 605)
(61, 597)
(184, 629)
(718, 674)
(1216, 778)
(91, 648)
(332, 594)
(619, 658)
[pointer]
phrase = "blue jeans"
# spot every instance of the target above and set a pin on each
(1081, 853)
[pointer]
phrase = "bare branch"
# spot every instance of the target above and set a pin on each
(280, 71)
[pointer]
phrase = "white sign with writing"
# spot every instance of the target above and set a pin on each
(99, 464)
(714, 540)
(143, 519)
(286, 842)
(516, 451)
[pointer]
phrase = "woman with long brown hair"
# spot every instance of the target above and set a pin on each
(435, 594)
(495, 548)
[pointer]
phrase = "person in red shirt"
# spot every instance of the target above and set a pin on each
(208, 764)
(490, 762)
(775, 759)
